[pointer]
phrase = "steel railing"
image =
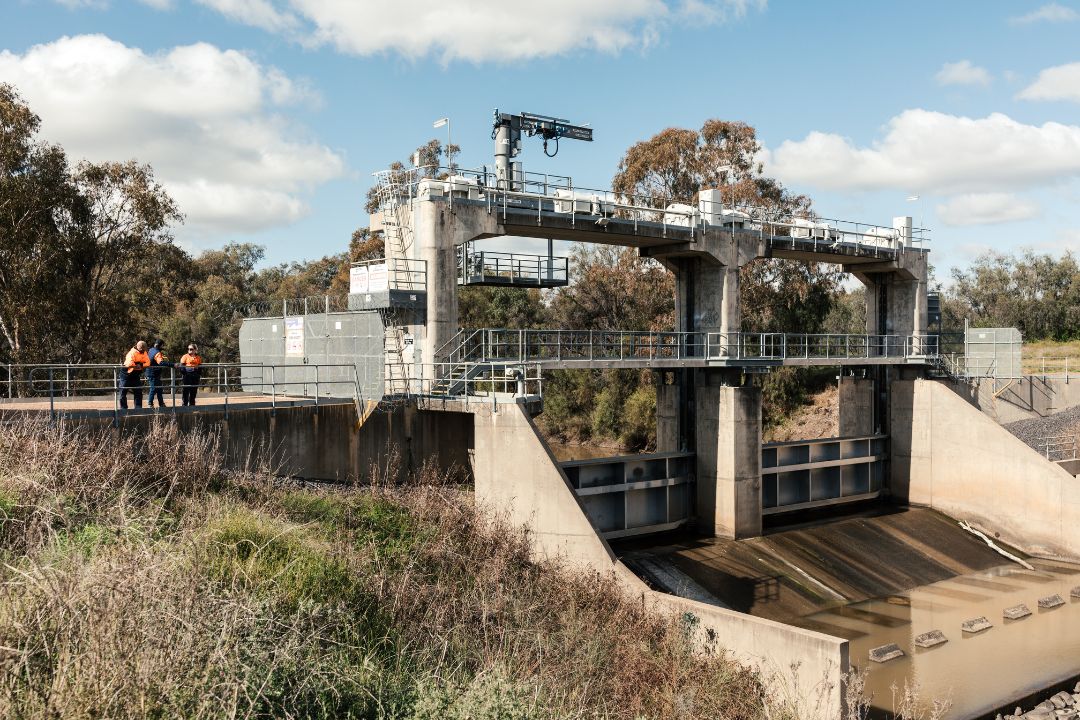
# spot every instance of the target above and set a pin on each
(220, 384)
(507, 345)
(484, 266)
(555, 193)
(478, 383)
(1059, 447)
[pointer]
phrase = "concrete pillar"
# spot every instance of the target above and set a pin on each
(730, 311)
(667, 416)
(727, 432)
(856, 403)
(433, 242)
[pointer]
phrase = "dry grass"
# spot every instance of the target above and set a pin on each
(1033, 355)
(141, 579)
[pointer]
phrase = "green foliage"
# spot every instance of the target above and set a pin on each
(262, 554)
(1039, 294)
(500, 307)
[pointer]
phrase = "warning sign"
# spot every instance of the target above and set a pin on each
(378, 278)
(358, 279)
(294, 337)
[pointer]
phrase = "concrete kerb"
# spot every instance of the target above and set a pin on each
(518, 477)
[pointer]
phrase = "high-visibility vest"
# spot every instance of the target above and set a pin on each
(191, 361)
(136, 360)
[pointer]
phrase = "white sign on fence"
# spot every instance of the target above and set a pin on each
(378, 278)
(358, 279)
(294, 336)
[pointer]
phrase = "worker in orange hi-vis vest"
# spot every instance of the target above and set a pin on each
(190, 373)
(135, 362)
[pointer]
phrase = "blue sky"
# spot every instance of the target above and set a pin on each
(265, 118)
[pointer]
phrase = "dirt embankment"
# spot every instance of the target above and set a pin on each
(817, 419)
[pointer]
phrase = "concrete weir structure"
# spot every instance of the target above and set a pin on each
(903, 435)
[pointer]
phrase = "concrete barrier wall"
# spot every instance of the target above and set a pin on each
(1023, 399)
(323, 443)
(516, 474)
(949, 456)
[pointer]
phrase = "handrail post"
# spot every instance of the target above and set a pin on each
(316, 389)
(273, 390)
(52, 410)
(225, 372)
(116, 397)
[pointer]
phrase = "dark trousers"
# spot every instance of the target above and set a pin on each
(133, 382)
(154, 381)
(191, 387)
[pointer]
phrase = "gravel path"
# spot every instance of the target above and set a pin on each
(1066, 422)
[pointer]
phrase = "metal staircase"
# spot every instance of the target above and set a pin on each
(393, 190)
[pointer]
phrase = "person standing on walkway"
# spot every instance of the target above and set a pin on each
(190, 372)
(131, 376)
(158, 360)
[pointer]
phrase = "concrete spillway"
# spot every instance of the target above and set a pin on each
(886, 579)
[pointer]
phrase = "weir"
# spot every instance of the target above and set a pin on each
(390, 367)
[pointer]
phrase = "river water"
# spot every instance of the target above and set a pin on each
(978, 672)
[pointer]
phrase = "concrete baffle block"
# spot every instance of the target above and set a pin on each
(931, 639)
(1051, 601)
(885, 653)
(1016, 612)
(976, 625)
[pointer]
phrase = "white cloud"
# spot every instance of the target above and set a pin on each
(478, 30)
(259, 13)
(986, 209)
(935, 152)
(1051, 12)
(962, 73)
(208, 120)
(1056, 83)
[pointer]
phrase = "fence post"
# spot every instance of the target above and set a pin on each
(116, 397)
(52, 411)
(172, 385)
(225, 372)
(273, 391)
(317, 389)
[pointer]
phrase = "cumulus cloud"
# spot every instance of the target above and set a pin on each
(1051, 12)
(986, 209)
(209, 120)
(1056, 83)
(935, 152)
(962, 73)
(478, 30)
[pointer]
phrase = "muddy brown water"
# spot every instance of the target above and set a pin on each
(887, 578)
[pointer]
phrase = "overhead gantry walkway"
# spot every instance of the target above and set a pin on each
(568, 349)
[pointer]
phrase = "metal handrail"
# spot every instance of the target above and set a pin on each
(1064, 447)
(525, 345)
(609, 203)
(68, 381)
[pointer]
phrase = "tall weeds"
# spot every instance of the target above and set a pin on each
(142, 579)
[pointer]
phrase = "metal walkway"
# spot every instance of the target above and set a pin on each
(565, 349)
(551, 206)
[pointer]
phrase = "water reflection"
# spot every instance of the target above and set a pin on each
(981, 671)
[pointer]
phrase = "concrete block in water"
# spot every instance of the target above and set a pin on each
(975, 625)
(885, 653)
(1016, 612)
(931, 639)
(1051, 601)
(1076, 594)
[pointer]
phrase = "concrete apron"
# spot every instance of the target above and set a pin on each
(517, 476)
